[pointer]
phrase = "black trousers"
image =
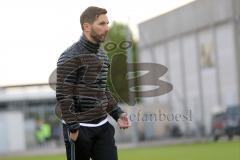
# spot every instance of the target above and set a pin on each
(96, 143)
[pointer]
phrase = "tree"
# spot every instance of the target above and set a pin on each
(116, 46)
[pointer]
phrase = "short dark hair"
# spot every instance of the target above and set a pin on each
(91, 14)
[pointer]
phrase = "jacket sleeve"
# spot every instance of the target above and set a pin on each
(113, 109)
(65, 89)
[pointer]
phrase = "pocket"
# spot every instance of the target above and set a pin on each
(71, 140)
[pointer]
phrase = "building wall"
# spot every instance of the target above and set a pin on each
(198, 45)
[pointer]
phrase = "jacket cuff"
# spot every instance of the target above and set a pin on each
(115, 114)
(73, 127)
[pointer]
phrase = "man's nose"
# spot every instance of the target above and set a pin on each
(107, 28)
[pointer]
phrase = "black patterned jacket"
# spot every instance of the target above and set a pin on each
(81, 90)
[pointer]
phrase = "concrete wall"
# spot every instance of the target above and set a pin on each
(12, 137)
(192, 17)
(198, 44)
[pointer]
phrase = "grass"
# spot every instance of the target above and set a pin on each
(202, 151)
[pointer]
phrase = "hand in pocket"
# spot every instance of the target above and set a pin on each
(74, 136)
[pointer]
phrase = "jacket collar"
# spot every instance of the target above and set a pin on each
(92, 47)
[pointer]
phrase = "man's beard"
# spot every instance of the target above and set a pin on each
(98, 37)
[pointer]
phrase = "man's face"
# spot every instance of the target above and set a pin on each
(99, 28)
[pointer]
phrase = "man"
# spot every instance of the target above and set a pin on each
(83, 95)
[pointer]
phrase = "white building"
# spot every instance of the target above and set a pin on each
(199, 43)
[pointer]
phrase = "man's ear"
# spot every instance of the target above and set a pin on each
(86, 27)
